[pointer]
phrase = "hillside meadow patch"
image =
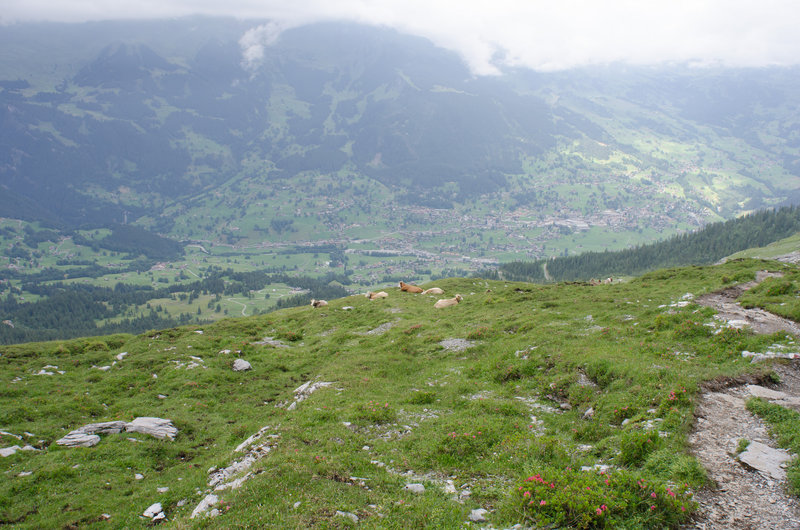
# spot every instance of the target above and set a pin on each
(565, 405)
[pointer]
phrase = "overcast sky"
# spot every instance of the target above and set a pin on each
(540, 34)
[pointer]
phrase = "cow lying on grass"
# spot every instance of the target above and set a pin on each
(433, 290)
(375, 296)
(410, 288)
(318, 303)
(447, 302)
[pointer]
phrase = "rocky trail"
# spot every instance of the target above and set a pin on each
(749, 489)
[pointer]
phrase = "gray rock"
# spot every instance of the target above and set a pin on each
(207, 502)
(8, 451)
(589, 414)
(478, 516)
(107, 427)
(240, 365)
(156, 427)
(353, 517)
(415, 488)
(765, 459)
(153, 510)
(79, 439)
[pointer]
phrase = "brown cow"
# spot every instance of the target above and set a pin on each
(447, 302)
(318, 303)
(433, 290)
(410, 288)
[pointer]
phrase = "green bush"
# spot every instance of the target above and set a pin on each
(374, 412)
(635, 446)
(578, 499)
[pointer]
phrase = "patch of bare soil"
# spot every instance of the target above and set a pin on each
(741, 497)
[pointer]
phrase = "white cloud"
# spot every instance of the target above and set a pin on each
(540, 34)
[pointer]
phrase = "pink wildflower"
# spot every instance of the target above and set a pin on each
(542, 503)
(653, 495)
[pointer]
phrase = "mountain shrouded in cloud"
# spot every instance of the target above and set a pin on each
(103, 121)
(492, 36)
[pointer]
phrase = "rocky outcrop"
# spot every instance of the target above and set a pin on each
(156, 427)
(87, 436)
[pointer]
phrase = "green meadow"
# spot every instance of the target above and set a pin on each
(563, 405)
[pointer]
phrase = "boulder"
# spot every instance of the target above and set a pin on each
(79, 439)
(157, 427)
(240, 365)
(765, 459)
(106, 427)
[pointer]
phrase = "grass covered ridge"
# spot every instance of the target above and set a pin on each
(569, 406)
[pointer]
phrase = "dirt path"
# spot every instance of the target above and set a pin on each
(760, 321)
(742, 497)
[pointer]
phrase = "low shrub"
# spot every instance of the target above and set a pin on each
(580, 499)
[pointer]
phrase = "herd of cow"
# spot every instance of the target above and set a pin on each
(442, 302)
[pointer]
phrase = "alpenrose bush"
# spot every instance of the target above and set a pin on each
(591, 499)
(375, 412)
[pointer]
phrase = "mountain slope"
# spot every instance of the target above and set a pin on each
(510, 401)
(141, 123)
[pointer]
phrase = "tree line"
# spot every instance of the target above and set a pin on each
(74, 310)
(707, 245)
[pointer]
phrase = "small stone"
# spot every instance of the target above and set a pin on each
(24, 474)
(240, 365)
(365, 448)
(162, 490)
(296, 505)
(181, 502)
(353, 517)
(207, 502)
(153, 510)
(138, 476)
(589, 414)
(478, 516)
(415, 488)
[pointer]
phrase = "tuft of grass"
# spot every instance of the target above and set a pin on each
(784, 424)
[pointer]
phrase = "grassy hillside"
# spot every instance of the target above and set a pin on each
(513, 401)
